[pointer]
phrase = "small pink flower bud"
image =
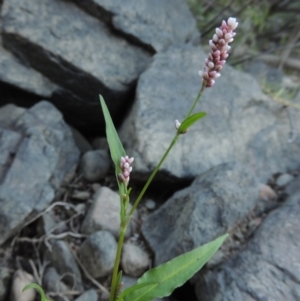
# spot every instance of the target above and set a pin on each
(219, 32)
(232, 23)
(210, 65)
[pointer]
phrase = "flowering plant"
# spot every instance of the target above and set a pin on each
(162, 280)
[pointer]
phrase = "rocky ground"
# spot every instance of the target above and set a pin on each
(237, 171)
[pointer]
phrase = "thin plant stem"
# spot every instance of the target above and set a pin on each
(152, 176)
(117, 263)
(197, 99)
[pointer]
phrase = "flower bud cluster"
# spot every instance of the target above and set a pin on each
(218, 54)
(126, 169)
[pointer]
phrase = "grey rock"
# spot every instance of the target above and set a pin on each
(9, 114)
(14, 73)
(270, 77)
(82, 144)
(214, 203)
(284, 179)
(242, 124)
(74, 50)
(40, 154)
(135, 261)
(81, 195)
(64, 262)
(95, 164)
(100, 143)
(5, 279)
(150, 204)
(52, 283)
(48, 223)
(20, 279)
(98, 252)
(90, 295)
(156, 24)
(267, 269)
(104, 213)
(293, 187)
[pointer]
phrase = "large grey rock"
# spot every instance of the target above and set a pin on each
(64, 262)
(267, 269)
(214, 203)
(37, 154)
(14, 73)
(242, 124)
(154, 23)
(74, 50)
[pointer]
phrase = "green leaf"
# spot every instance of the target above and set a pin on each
(133, 288)
(116, 148)
(38, 288)
(174, 273)
(186, 123)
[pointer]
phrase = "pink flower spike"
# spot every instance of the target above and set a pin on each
(125, 165)
(218, 54)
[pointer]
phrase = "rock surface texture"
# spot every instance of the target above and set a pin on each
(13, 73)
(37, 154)
(242, 124)
(214, 203)
(156, 24)
(104, 213)
(267, 269)
(74, 50)
(98, 253)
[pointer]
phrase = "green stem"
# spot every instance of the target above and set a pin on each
(114, 283)
(152, 176)
(196, 100)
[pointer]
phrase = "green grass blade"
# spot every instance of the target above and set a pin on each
(186, 123)
(38, 288)
(174, 273)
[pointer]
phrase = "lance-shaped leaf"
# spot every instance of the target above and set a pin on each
(38, 288)
(116, 150)
(174, 273)
(115, 146)
(133, 288)
(186, 123)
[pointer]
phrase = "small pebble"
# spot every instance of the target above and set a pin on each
(95, 165)
(98, 252)
(135, 261)
(284, 179)
(90, 295)
(266, 193)
(96, 187)
(20, 280)
(81, 195)
(100, 143)
(150, 204)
